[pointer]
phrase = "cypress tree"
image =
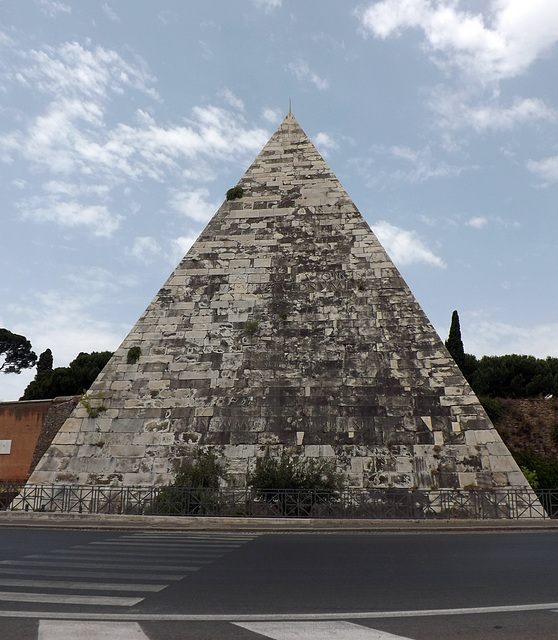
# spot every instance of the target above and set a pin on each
(454, 343)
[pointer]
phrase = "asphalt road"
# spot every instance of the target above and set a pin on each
(101, 585)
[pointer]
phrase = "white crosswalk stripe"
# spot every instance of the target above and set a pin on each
(86, 630)
(138, 564)
(334, 630)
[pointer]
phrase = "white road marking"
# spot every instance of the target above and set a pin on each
(126, 555)
(163, 545)
(287, 617)
(111, 601)
(56, 572)
(62, 630)
(334, 630)
(145, 566)
(84, 586)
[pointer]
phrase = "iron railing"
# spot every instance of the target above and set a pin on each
(510, 503)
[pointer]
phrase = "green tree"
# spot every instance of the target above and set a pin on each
(454, 343)
(67, 381)
(15, 352)
(45, 361)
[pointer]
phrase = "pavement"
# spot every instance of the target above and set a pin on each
(57, 520)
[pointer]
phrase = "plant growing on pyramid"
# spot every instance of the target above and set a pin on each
(133, 355)
(251, 326)
(89, 402)
(235, 193)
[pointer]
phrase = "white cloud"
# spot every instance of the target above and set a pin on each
(84, 159)
(273, 116)
(110, 13)
(181, 246)
(325, 141)
(302, 72)
(456, 110)
(477, 223)
(268, 5)
(193, 204)
(404, 247)
(53, 7)
(72, 214)
(501, 42)
(233, 100)
(546, 169)
(145, 249)
(70, 71)
(483, 335)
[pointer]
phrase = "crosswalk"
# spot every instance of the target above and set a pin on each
(336, 630)
(125, 568)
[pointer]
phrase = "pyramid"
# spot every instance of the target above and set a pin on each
(285, 327)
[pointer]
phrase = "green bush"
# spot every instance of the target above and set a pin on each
(235, 193)
(133, 355)
(294, 472)
(546, 471)
(294, 484)
(194, 490)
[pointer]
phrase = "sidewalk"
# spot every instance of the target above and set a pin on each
(20, 519)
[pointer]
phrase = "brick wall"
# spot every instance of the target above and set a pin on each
(21, 428)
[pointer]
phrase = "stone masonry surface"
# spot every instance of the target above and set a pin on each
(286, 326)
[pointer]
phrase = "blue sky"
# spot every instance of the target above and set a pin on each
(123, 124)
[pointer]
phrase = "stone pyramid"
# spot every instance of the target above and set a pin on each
(286, 326)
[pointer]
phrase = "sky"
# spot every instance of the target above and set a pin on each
(123, 124)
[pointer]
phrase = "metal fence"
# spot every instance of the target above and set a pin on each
(247, 502)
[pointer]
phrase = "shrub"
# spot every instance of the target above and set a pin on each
(294, 484)
(194, 490)
(235, 193)
(133, 355)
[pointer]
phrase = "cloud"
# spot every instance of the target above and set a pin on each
(110, 13)
(71, 70)
(483, 335)
(546, 169)
(268, 5)
(456, 110)
(84, 159)
(477, 223)
(273, 116)
(145, 249)
(53, 7)
(325, 141)
(193, 204)
(181, 246)
(404, 247)
(72, 214)
(501, 42)
(233, 100)
(302, 72)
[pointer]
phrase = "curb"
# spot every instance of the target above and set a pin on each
(276, 525)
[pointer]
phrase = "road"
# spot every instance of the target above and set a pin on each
(123, 585)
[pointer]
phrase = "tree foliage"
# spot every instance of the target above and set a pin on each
(45, 361)
(201, 471)
(15, 352)
(454, 343)
(67, 381)
(294, 472)
(514, 376)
